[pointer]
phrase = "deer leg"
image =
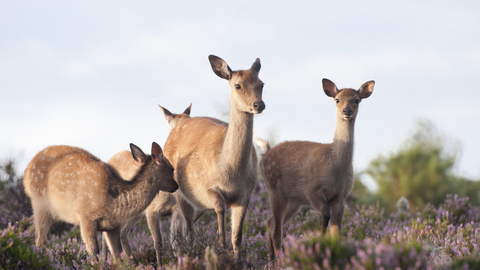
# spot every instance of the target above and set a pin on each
(275, 230)
(187, 213)
(104, 246)
(219, 206)
(113, 240)
(88, 230)
(124, 239)
(238, 216)
(320, 203)
(337, 216)
(42, 221)
(270, 227)
(154, 226)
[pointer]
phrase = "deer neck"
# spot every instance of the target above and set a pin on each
(343, 142)
(237, 146)
(140, 191)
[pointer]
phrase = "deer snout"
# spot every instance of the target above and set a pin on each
(347, 111)
(175, 188)
(259, 106)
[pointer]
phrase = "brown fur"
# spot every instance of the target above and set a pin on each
(70, 184)
(163, 205)
(215, 162)
(301, 173)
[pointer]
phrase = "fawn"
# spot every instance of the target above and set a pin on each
(299, 173)
(163, 205)
(70, 184)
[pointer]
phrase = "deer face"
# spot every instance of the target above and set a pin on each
(246, 92)
(246, 87)
(347, 99)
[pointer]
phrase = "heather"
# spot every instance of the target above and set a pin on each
(446, 236)
(441, 234)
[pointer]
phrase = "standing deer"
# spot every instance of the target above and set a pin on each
(301, 173)
(70, 184)
(215, 162)
(163, 205)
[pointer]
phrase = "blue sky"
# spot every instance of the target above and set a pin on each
(91, 73)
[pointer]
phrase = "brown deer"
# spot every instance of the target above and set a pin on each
(301, 173)
(163, 205)
(70, 184)
(215, 162)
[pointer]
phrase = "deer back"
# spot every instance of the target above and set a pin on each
(69, 180)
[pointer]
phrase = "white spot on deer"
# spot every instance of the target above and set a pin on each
(43, 191)
(90, 195)
(41, 176)
(95, 183)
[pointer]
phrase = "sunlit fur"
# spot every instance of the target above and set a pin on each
(215, 162)
(301, 173)
(69, 184)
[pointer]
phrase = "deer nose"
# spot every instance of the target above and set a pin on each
(347, 111)
(174, 188)
(259, 105)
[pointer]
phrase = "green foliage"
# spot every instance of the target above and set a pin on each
(318, 251)
(421, 170)
(17, 253)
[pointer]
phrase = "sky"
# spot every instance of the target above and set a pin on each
(92, 73)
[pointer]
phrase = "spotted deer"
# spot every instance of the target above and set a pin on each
(299, 173)
(215, 162)
(69, 184)
(163, 205)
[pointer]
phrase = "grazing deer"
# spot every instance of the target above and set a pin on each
(70, 184)
(301, 173)
(163, 205)
(215, 162)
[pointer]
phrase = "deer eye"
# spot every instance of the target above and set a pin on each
(238, 87)
(337, 100)
(357, 101)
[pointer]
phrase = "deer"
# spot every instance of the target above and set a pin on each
(299, 173)
(174, 119)
(215, 162)
(163, 205)
(70, 184)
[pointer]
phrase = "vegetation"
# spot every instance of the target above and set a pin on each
(421, 170)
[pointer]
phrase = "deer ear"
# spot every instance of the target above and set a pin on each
(256, 66)
(187, 110)
(137, 153)
(329, 88)
(157, 152)
(220, 67)
(167, 113)
(366, 89)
